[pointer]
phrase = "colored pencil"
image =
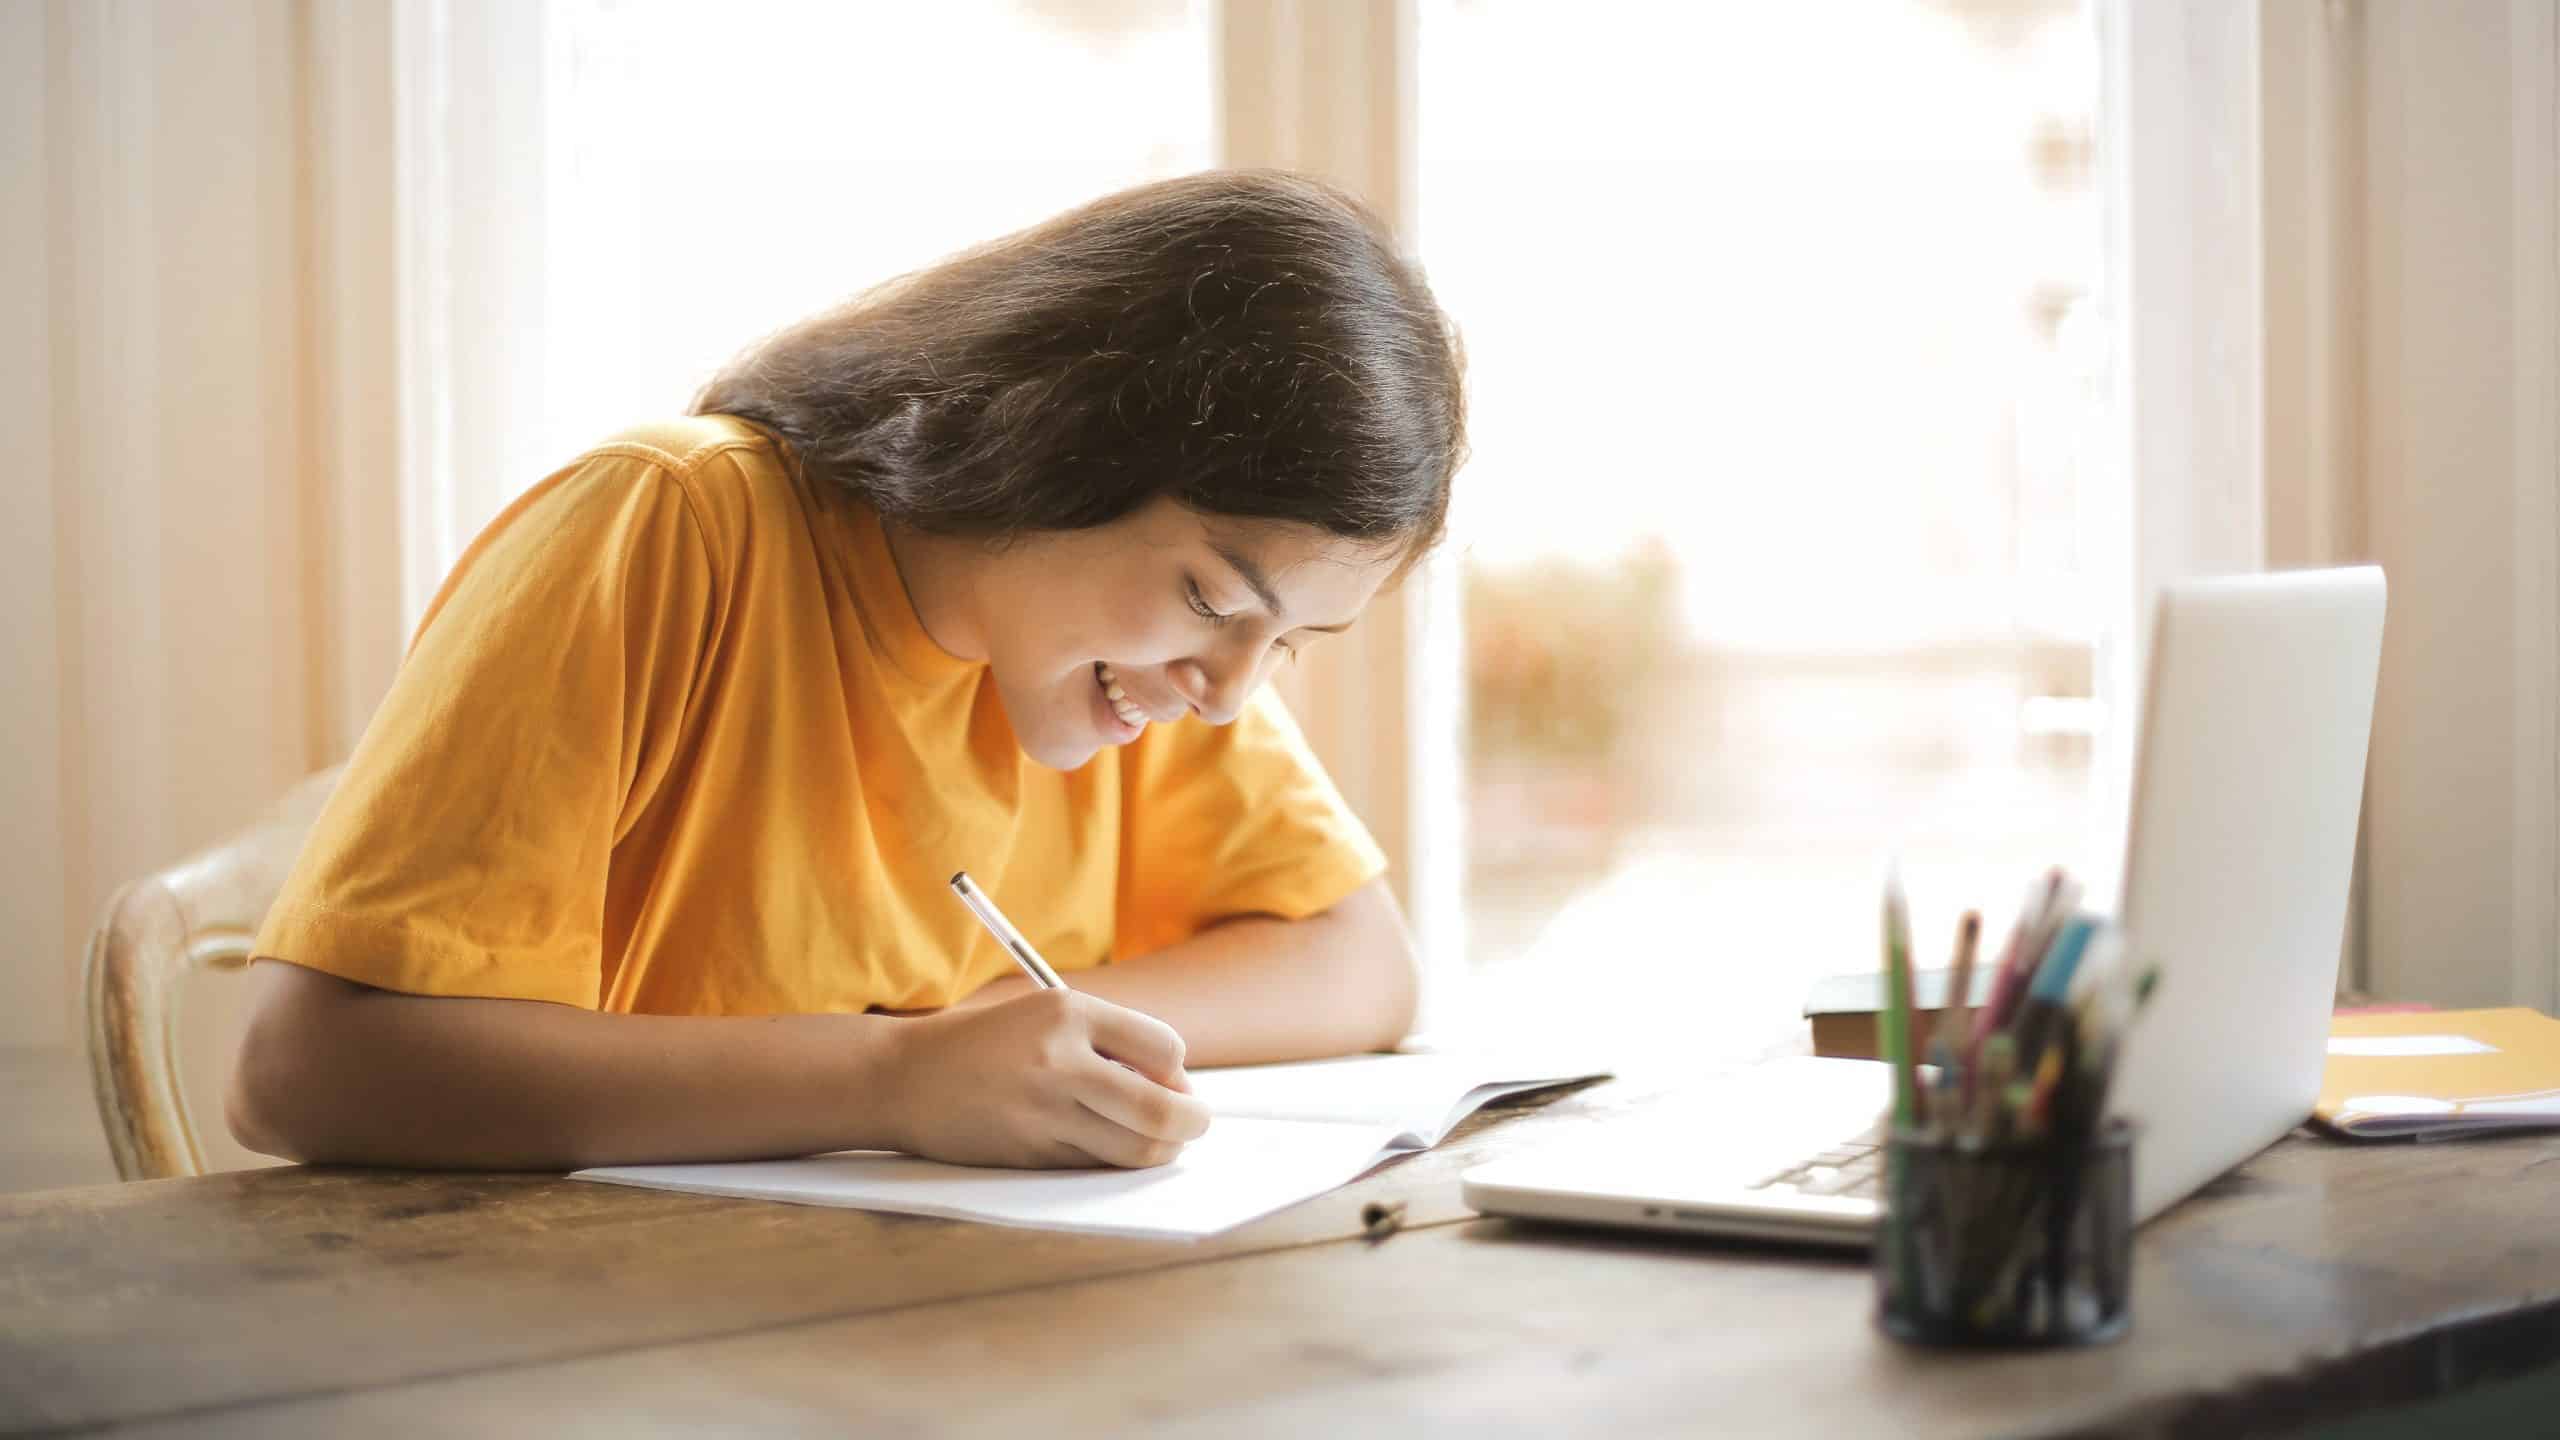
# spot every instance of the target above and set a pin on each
(1897, 1002)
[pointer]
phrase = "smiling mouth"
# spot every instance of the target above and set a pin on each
(1116, 699)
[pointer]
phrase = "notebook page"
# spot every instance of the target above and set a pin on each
(2380, 1115)
(1477, 1099)
(1418, 1098)
(1242, 1169)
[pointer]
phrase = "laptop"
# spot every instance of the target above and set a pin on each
(2247, 785)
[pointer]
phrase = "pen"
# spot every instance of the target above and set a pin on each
(1999, 1061)
(1955, 1018)
(2040, 1095)
(2031, 960)
(1897, 1003)
(2005, 979)
(1006, 936)
(2045, 1004)
(1959, 1005)
(2052, 982)
(2113, 1038)
(1897, 1054)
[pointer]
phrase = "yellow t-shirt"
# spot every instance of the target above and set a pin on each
(671, 740)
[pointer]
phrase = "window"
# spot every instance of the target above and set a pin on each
(1776, 542)
(1780, 544)
(719, 171)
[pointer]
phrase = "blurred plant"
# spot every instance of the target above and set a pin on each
(1562, 657)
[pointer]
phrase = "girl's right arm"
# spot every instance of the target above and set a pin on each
(337, 1072)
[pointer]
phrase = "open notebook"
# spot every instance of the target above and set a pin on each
(1279, 1134)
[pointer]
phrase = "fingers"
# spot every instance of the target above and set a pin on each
(1111, 1143)
(1141, 1042)
(1135, 1103)
(1063, 1156)
(1105, 1084)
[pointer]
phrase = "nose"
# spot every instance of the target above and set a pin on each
(1217, 689)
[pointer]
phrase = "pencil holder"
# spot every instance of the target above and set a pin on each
(2006, 1243)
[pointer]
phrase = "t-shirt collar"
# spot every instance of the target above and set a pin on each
(886, 606)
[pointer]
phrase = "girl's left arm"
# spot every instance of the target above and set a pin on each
(1259, 989)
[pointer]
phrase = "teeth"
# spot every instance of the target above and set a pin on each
(1129, 714)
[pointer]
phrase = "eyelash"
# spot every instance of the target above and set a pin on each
(1218, 620)
(1200, 606)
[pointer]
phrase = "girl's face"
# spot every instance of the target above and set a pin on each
(1178, 612)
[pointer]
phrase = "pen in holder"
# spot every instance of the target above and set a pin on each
(2012, 1241)
(2008, 1201)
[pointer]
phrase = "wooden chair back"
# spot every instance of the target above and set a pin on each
(200, 914)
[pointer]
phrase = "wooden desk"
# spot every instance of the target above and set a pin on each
(2316, 1281)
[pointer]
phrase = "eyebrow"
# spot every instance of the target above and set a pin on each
(1260, 584)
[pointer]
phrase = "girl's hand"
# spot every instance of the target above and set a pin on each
(1051, 1079)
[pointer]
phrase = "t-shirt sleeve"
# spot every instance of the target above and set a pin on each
(465, 851)
(1225, 821)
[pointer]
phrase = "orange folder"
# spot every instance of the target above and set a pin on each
(2441, 1072)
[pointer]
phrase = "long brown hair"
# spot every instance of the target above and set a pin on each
(1250, 343)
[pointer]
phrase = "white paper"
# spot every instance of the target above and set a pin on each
(1278, 1134)
(2408, 1045)
(2427, 1116)
(1241, 1170)
(1419, 1097)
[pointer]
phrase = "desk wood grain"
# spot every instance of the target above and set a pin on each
(2317, 1281)
(178, 1297)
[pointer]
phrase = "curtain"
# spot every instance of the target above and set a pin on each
(200, 582)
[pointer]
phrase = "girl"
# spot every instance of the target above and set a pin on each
(643, 858)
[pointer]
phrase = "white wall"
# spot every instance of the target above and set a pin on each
(2459, 389)
(2334, 275)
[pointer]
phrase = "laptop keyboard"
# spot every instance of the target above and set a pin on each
(1847, 1168)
